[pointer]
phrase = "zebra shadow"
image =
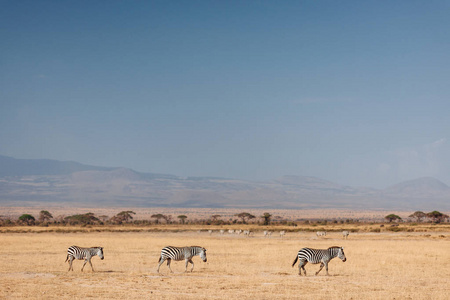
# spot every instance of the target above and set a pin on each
(109, 271)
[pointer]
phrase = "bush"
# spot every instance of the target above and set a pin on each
(396, 229)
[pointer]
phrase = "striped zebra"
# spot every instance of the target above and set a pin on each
(345, 234)
(282, 233)
(321, 233)
(247, 233)
(222, 231)
(170, 253)
(210, 232)
(75, 252)
(315, 256)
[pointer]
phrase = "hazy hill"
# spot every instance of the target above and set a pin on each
(21, 167)
(420, 185)
(24, 182)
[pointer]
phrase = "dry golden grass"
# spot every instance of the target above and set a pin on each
(386, 265)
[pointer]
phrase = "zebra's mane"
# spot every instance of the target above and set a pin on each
(332, 247)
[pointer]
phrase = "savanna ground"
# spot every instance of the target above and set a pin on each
(410, 264)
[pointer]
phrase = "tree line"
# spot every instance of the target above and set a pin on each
(124, 217)
(434, 216)
(45, 218)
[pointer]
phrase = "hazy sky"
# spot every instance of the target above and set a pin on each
(356, 92)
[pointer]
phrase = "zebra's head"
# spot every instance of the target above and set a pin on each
(341, 254)
(203, 254)
(100, 252)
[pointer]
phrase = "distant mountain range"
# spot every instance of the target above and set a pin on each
(26, 182)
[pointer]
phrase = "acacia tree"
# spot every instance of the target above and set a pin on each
(27, 219)
(418, 215)
(45, 216)
(159, 217)
(245, 216)
(215, 217)
(126, 215)
(392, 217)
(87, 218)
(266, 216)
(437, 216)
(182, 218)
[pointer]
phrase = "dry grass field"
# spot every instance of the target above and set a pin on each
(385, 265)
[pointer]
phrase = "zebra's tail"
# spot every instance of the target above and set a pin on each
(160, 257)
(295, 261)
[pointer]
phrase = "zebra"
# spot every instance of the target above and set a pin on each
(315, 256)
(238, 232)
(222, 231)
(282, 233)
(247, 233)
(345, 234)
(267, 233)
(75, 252)
(321, 233)
(210, 232)
(179, 253)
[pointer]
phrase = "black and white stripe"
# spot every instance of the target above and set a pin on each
(316, 256)
(179, 253)
(75, 252)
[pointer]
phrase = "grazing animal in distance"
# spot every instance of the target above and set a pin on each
(316, 256)
(75, 252)
(282, 233)
(345, 234)
(170, 253)
(321, 233)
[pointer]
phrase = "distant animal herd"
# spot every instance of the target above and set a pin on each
(169, 253)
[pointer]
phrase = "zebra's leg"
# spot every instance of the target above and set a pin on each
(326, 268)
(85, 261)
(161, 261)
(91, 265)
(168, 264)
(321, 266)
(186, 263)
(192, 264)
(301, 265)
(70, 263)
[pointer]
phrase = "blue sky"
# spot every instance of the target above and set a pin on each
(356, 92)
